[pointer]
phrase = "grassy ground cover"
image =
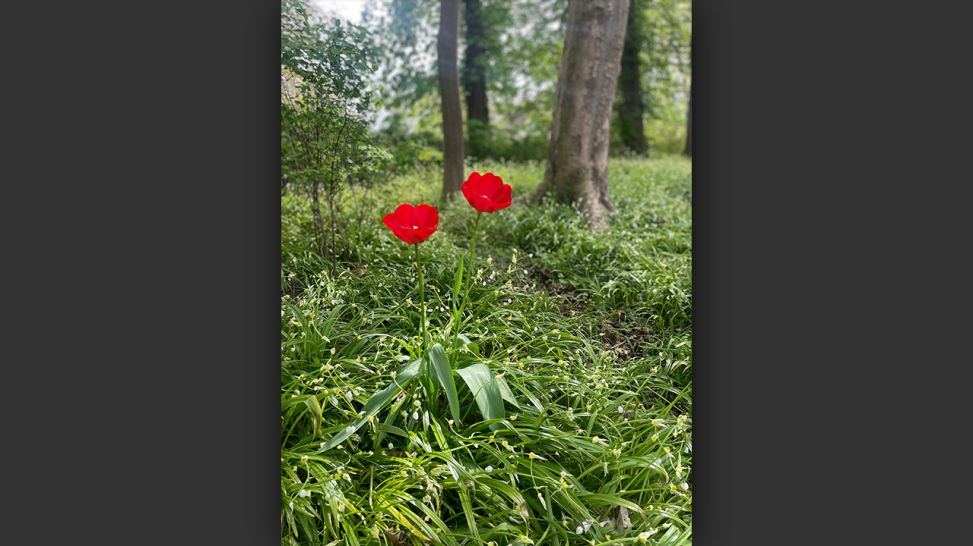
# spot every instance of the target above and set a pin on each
(592, 333)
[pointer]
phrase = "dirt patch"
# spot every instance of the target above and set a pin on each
(627, 336)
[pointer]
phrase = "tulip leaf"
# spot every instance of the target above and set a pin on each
(506, 393)
(376, 403)
(472, 346)
(483, 385)
(444, 373)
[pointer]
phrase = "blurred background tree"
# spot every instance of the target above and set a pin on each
(511, 53)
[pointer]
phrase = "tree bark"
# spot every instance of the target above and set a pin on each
(632, 109)
(447, 45)
(688, 151)
(577, 162)
(474, 80)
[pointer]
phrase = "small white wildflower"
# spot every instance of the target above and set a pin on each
(488, 468)
(349, 395)
(389, 445)
(415, 416)
(621, 409)
(303, 493)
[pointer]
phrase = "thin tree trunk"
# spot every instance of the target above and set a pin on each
(474, 80)
(577, 163)
(447, 44)
(689, 109)
(632, 109)
(318, 220)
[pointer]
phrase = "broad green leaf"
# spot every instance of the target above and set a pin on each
(484, 387)
(472, 346)
(315, 407)
(506, 393)
(376, 403)
(444, 373)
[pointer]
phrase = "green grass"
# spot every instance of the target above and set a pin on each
(592, 332)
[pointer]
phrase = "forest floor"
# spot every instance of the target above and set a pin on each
(592, 332)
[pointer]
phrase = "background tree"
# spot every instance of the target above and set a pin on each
(446, 48)
(632, 108)
(577, 164)
(474, 79)
(688, 151)
(666, 28)
(519, 54)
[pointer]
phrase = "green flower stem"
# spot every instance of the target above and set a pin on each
(425, 378)
(422, 298)
(471, 277)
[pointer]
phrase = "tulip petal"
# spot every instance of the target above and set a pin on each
(425, 215)
(491, 183)
(403, 214)
(501, 199)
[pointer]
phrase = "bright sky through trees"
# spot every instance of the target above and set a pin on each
(349, 10)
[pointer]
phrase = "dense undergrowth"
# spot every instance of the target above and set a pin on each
(592, 332)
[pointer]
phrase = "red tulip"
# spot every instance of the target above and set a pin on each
(487, 192)
(413, 224)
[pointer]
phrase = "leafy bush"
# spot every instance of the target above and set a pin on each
(325, 104)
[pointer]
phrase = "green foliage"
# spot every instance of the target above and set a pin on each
(325, 101)
(523, 45)
(666, 72)
(587, 337)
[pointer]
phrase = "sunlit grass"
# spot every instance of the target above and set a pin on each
(592, 332)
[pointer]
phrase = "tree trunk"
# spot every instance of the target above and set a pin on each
(689, 109)
(577, 161)
(474, 80)
(632, 109)
(449, 94)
